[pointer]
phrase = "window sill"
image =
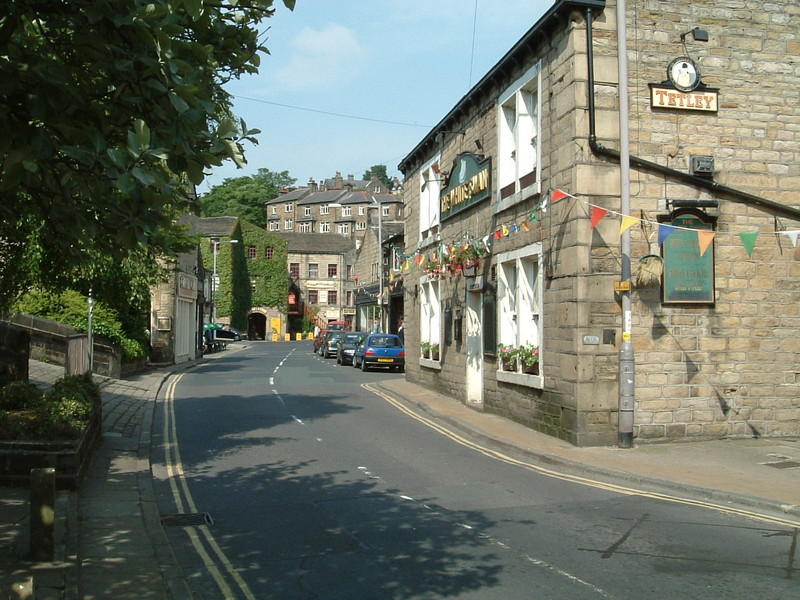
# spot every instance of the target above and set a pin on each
(517, 197)
(534, 381)
(430, 364)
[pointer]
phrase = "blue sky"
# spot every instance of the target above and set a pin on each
(397, 65)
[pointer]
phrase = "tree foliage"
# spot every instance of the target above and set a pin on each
(109, 109)
(245, 197)
(380, 171)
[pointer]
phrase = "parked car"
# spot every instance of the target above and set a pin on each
(347, 346)
(328, 347)
(229, 333)
(380, 350)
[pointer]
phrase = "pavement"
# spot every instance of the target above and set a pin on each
(109, 541)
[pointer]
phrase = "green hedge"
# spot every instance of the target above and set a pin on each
(72, 308)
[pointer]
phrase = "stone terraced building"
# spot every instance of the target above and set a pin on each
(650, 259)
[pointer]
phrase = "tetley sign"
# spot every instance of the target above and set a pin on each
(469, 183)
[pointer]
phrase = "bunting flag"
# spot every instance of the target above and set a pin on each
(597, 215)
(792, 235)
(663, 232)
(627, 223)
(505, 231)
(749, 242)
(705, 238)
(558, 195)
(498, 234)
(527, 227)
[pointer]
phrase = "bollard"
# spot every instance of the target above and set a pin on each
(42, 504)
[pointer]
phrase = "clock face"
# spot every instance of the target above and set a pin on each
(684, 74)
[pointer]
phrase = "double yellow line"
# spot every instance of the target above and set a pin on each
(185, 504)
(619, 489)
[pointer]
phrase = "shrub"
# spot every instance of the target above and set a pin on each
(71, 308)
(62, 413)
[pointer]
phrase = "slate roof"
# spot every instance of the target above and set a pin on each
(316, 243)
(217, 226)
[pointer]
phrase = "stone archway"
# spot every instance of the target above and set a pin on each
(256, 326)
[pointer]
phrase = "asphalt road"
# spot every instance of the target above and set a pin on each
(312, 486)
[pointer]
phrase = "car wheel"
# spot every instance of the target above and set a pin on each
(364, 366)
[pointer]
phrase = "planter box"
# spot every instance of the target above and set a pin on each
(70, 458)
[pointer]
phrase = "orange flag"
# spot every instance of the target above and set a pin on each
(704, 238)
(597, 215)
(558, 195)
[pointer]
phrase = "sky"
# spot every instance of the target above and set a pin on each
(353, 83)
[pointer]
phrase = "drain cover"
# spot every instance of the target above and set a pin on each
(784, 464)
(186, 519)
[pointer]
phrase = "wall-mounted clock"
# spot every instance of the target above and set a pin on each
(684, 74)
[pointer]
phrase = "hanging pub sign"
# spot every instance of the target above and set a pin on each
(469, 183)
(688, 276)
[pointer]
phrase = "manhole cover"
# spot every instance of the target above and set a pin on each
(784, 464)
(186, 519)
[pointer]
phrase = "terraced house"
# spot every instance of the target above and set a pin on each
(600, 236)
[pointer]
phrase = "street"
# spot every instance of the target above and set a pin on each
(289, 476)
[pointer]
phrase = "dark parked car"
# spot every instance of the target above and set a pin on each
(347, 346)
(328, 347)
(380, 350)
(229, 333)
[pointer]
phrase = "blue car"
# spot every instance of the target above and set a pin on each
(383, 350)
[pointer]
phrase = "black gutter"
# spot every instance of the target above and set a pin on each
(646, 165)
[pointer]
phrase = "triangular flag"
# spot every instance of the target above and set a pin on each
(792, 236)
(525, 226)
(558, 195)
(514, 228)
(505, 231)
(597, 215)
(498, 234)
(704, 239)
(627, 223)
(419, 259)
(749, 241)
(664, 232)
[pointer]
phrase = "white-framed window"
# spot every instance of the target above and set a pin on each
(519, 300)
(287, 207)
(304, 227)
(361, 225)
(344, 228)
(347, 211)
(430, 187)
(518, 138)
(385, 210)
(288, 224)
(307, 211)
(324, 209)
(313, 270)
(274, 226)
(362, 210)
(430, 312)
(274, 209)
(325, 227)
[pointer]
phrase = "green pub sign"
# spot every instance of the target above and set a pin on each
(469, 183)
(688, 276)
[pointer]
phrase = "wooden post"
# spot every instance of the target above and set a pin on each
(42, 504)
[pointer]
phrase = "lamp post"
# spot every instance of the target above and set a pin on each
(380, 261)
(215, 280)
